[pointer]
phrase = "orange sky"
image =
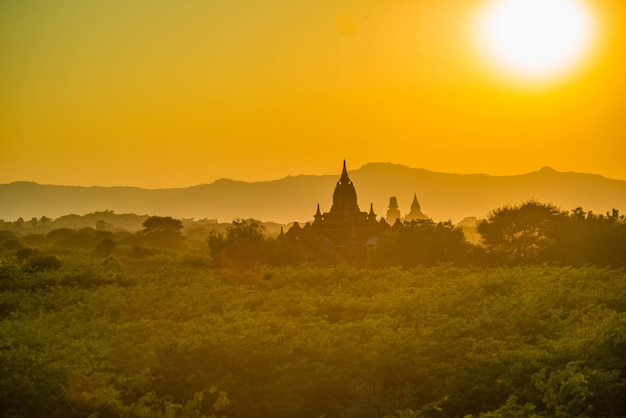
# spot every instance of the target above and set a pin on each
(170, 94)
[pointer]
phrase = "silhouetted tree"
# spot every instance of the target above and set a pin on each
(284, 252)
(162, 223)
(242, 245)
(162, 231)
(519, 234)
(535, 233)
(421, 242)
(588, 238)
(245, 229)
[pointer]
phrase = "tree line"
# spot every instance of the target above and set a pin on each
(529, 233)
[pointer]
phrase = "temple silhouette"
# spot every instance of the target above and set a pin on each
(393, 213)
(347, 229)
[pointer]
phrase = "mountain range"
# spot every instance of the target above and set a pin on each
(442, 196)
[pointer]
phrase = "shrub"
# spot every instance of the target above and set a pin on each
(42, 263)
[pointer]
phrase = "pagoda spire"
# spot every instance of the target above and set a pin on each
(416, 211)
(318, 215)
(415, 206)
(344, 174)
(371, 215)
(344, 197)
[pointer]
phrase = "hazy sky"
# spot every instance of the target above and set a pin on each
(177, 93)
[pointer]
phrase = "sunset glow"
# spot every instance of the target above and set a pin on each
(324, 208)
(184, 93)
(535, 39)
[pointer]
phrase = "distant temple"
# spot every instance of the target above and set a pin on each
(345, 225)
(416, 211)
(347, 229)
(393, 213)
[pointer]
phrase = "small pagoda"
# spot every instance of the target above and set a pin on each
(416, 212)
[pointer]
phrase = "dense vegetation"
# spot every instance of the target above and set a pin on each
(166, 339)
(531, 233)
(163, 323)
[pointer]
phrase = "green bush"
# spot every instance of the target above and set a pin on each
(42, 263)
(122, 337)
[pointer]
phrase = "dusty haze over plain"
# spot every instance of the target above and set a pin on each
(442, 196)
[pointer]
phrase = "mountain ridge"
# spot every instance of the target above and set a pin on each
(443, 196)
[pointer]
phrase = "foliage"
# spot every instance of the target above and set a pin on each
(162, 223)
(588, 238)
(517, 234)
(421, 243)
(163, 232)
(105, 247)
(158, 336)
(42, 263)
(102, 323)
(565, 392)
(76, 238)
(536, 232)
(103, 220)
(9, 241)
(241, 246)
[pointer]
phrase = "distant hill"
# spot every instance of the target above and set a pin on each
(442, 196)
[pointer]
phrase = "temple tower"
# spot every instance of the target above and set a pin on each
(416, 211)
(345, 226)
(393, 213)
(344, 197)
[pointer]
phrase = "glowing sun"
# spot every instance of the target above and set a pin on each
(535, 40)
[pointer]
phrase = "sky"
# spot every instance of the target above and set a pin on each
(162, 94)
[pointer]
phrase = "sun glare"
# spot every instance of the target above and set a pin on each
(535, 40)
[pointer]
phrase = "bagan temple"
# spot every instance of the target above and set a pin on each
(349, 230)
(345, 225)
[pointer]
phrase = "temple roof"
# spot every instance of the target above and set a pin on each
(344, 174)
(415, 206)
(344, 197)
(393, 203)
